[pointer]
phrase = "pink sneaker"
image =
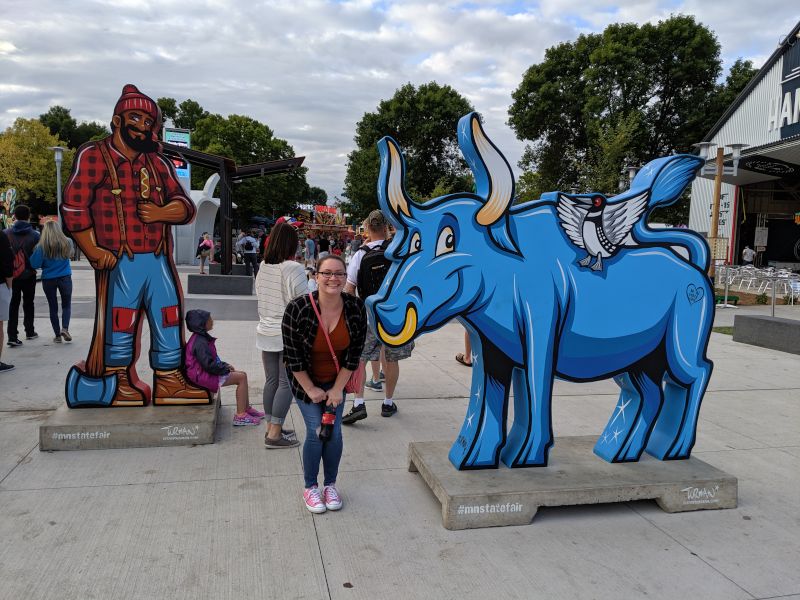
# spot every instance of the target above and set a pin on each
(332, 499)
(254, 412)
(245, 419)
(313, 500)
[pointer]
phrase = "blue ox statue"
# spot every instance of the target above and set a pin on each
(569, 286)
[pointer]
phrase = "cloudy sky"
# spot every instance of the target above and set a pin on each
(311, 68)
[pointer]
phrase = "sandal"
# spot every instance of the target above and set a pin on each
(462, 359)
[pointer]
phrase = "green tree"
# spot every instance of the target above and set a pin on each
(316, 195)
(627, 95)
(60, 123)
(88, 131)
(739, 75)
(188, 114)
(423, 120)
(26, 163)
(169, 109)
(247, 141)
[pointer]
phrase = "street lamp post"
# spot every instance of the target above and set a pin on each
(718, 169)
(59, 158)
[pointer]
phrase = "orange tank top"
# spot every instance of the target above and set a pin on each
(323, 369)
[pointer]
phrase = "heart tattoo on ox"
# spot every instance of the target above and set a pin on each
(694, 294)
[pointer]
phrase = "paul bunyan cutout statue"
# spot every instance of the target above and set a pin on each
(119, 204)
(569, 286)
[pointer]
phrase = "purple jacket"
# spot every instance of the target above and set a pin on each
(203, 365)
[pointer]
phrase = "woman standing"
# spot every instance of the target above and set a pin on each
(313, 371)
(279, 281)
(52, 255)
(204, 251)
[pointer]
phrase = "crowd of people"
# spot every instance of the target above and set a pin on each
(312, 331)
(23, 251)
(314, 342)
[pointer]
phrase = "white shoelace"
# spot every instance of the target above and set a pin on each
(314, 496)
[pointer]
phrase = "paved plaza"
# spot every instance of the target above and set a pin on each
(226, 521)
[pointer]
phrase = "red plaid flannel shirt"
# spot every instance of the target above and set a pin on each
(89, 202)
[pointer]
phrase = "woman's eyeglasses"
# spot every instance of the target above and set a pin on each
(329, 274)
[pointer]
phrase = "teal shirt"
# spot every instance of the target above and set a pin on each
(52, 268)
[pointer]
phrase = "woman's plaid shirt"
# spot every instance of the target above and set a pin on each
(300, 326)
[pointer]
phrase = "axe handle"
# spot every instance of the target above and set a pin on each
(95, 362)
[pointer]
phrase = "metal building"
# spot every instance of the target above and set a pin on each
(760, 205)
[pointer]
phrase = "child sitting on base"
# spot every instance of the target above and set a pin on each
(204, 367)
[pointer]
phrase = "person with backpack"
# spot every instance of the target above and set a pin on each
(365, 274)
(51, 255)
(6, 271)
(23, 238)
(248, 246)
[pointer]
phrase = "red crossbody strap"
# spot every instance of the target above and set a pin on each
(325, 331)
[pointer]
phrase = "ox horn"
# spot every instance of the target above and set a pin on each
(391, 188)
(493, 177)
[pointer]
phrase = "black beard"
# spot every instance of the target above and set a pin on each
(145, 145)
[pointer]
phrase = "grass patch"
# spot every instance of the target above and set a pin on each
(725, 330)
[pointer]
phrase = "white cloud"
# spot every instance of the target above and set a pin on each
(311, 68)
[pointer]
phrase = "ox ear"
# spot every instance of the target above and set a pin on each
(392, 196)
(494, 179)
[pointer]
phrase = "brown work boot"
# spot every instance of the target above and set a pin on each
(127, 394)
(171, 387)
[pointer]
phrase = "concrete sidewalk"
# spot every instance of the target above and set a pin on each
(226, 521)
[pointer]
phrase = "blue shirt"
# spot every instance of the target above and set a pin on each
(52, 268)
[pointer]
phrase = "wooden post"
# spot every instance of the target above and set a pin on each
(713, 230)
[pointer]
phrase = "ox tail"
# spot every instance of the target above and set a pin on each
(666, 178)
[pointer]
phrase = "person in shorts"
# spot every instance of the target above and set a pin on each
(377, 229)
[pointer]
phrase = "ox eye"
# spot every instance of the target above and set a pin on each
(415, 245)
(446, 242)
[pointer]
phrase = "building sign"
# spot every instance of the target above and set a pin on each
(724, 210)
(762, 233)
(784, 111)
(182, 138)
(770, 166)
(328, 215)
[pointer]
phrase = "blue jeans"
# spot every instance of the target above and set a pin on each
(62, 285)
(313, 450)
(145, 282)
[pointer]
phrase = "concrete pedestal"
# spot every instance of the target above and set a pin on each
(145, 427)
(230, 285)
(775, 333)
(499, 497)
(216, 269)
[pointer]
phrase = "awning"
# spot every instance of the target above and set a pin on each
(771, 162)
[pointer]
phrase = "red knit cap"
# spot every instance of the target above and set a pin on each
(133, 99)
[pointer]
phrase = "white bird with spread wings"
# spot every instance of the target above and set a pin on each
(598, 226)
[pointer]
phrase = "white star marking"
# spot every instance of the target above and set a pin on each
(620, 411)
(469, 420)
(475, 357)
(616, 434)
(478, 394)
(605, 437)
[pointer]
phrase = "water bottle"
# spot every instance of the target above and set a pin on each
(328, 420)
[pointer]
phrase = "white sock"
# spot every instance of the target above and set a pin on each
(357, 402)
(388, 401)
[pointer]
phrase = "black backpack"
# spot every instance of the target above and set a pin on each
(248, 245)
(372, 270)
